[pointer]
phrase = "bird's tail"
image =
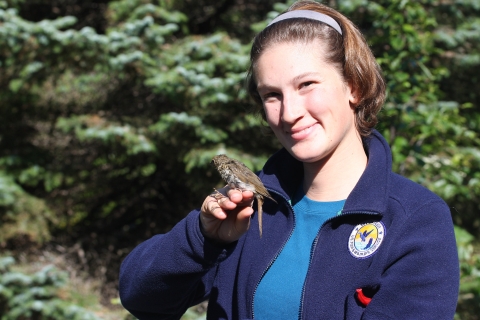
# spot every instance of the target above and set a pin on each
(260, 211)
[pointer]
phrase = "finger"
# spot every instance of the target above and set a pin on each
(223, 191)
(245, 213)
(217, 210)
(211, 207)
(241, 198)
(235, 195)
(227, 194)
(247, 198)
(243, 218)
(247, 194)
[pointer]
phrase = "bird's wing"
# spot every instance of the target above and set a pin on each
(245, 174)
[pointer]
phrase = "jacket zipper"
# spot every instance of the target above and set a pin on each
(278, 252)
(312, 250)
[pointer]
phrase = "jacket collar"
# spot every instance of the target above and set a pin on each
(282, 174)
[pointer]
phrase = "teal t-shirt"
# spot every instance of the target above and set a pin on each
(279, 292)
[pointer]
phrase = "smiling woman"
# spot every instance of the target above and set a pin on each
(310, 109)
(347, 51)
(344, 238)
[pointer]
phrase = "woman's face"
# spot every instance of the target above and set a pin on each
(307, 103)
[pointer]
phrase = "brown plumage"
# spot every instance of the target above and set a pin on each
(238, 176)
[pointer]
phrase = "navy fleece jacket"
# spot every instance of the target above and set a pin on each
(407, 265)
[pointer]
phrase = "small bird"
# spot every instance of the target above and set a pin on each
(238, 176)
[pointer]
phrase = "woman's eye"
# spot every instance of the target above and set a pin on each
(306, 84)
(270, 95)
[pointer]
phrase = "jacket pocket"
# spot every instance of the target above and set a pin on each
(357, 301)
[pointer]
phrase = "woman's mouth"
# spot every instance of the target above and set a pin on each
(301, 133)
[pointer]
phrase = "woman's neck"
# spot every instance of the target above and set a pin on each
(334, 177)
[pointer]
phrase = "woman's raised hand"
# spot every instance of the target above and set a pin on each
(226, 218)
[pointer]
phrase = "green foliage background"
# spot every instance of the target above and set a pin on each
(111, 110)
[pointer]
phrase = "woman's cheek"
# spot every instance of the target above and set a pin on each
(272, 115)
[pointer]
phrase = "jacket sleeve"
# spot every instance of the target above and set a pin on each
(421, 279)
(168, 273)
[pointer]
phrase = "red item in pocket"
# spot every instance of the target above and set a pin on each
(363, 298)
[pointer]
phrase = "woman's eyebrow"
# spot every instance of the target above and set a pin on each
(265, 87)
(297, 78)
(305, 75)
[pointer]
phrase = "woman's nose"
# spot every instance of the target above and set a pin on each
(292, 108)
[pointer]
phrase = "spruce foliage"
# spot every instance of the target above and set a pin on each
(111, 111)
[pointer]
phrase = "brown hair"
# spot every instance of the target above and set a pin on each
(349, 53)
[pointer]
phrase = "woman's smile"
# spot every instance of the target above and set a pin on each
(302, 133)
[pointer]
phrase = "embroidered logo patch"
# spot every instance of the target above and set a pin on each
(365, 239)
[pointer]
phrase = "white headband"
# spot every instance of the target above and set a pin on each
(308, 14)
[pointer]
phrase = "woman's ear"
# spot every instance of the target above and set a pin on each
(354, 95)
